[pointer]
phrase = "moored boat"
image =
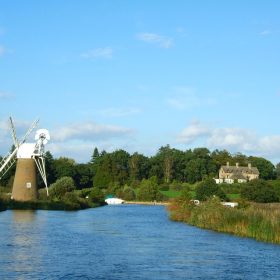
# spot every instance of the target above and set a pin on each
(114, 201)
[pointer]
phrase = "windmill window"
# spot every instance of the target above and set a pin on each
(28, 185)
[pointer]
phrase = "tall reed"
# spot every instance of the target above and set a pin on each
(256, 220)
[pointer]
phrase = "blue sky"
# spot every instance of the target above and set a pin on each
(137, 75)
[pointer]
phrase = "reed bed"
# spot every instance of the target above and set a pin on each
(254, 220)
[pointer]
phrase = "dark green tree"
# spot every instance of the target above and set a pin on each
(96, 195)
(50, 171)
(138, 167)
(207, 189)
(259, 191)
(83, 175)
(221, 158)
(103, 175)
(265, 167)
(119, 171)
(278, 170)
(64, 167)
(95, 155)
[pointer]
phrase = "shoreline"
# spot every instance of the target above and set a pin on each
(147, 203)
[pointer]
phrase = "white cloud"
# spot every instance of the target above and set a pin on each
(232, 139)
(193, 132)
(89, 131)
(161, 41)
(105, 53)
(119, 112)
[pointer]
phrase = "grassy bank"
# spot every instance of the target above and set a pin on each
(2, 206)
(47, 205)
(258, 221)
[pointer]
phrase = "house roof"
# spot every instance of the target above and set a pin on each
(240, 170)
(236, 176)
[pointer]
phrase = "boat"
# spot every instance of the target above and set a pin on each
(114, 201)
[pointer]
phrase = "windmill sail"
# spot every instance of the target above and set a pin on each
(7, 162)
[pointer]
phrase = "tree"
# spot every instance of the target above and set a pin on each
(119, 160)
(207, 189)
(96, 195)
(278, 170)
(265, 167)
(221, 158)
(148, 190)
(103, 175)
(128, 193)
(138, 167)
(50, 169)
(241, 159)
(64, 167)
(83, 175)
(95, 155)
(259, 191)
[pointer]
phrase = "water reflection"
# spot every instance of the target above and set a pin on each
(25, 245)
(23, 216)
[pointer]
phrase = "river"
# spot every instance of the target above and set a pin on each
(125, 242)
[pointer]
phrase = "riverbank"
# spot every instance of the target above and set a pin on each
(255, 220)
(46, 205)
(147, 203)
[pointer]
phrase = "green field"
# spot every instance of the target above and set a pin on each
(171, 193)
(233, 196)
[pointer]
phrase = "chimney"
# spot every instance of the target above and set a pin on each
(249, 165)
(237, 165)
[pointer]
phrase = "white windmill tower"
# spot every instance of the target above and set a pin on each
(27, 156)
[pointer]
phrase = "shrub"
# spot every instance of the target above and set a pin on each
(61, 187)
(208, 188)
(128, 193)
(149, 190)
(96, 195)
(42, 194)
(259, 191)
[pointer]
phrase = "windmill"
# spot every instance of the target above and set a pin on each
(27, 156)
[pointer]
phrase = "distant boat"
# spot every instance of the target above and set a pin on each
(114, 201)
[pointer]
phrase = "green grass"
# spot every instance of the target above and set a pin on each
(233, 196)
(171, 193)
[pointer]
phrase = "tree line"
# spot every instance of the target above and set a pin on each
(112, 170)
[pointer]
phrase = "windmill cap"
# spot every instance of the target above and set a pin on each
(26, 150)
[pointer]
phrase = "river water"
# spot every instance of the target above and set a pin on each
(125, 242)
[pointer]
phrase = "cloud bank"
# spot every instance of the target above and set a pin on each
(89, 131)
(232, 139)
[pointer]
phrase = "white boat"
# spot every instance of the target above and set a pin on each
(114, 201)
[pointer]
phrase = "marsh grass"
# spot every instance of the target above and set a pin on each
(254, 220)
